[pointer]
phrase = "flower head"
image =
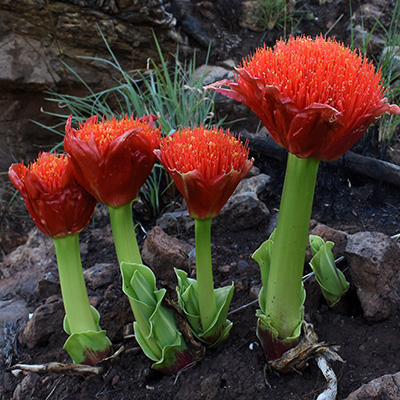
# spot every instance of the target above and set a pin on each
(206, 165)
(113, 158)
(59, 206)
(316, 97)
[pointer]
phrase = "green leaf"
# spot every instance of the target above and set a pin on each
(331, 280)
(263, 257)
(316, 243)
(188, 301)
(96, 317)
(155, 327)
(88, 347)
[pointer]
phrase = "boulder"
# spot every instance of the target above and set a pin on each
(373, 259)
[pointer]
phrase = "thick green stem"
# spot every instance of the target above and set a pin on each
(128, 251)
(204, 274)
(283, 295)
(124, 234)
(73, 288)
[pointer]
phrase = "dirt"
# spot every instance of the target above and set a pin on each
(343, 201)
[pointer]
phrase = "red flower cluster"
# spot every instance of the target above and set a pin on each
(59, 206)
(206, 165)
(113, 158)
(315, 97)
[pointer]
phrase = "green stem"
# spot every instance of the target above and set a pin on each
(128, 251)
(73, 288)
(124, 234)
(204, 274)
(283, 295)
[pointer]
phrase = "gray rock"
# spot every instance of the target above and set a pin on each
(176, 222)
(100, 275)
(12, 314)
(214, 73)
(375, 271)
(13, 310)
(392, 54)
(46, 320)
(163, 253)
(244, 210)
(384, 387)
(22, 269)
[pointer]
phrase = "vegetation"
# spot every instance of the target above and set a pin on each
(175, 95)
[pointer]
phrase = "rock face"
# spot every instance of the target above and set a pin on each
(375, 270)
(37, 36)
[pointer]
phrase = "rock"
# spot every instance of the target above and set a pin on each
(27, 387)
(392, 54)
(22, 269)
(38, 36)
(373, 259)
(46, 320)
(249, 21)
(255, 292)
(163, 253)
(214, 73)
(25, 62)
(176, 222)
(328, 233)
(363, 25)
(242, 266)
(47, 287)
(193, 28)
(100, 275)
(225, 269)
(361, 35)
(12, 313)
(210, 385)
(384, 387)
(244, 210)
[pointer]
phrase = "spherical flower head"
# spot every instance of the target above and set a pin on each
(59, 206)
(113, 158)
(316, 97)
(206, 165)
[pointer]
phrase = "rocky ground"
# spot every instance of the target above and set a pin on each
(358, 210)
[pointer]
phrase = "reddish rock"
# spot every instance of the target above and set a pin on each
(328, 233)
(46, 320)
(384, 387)
(163, 253)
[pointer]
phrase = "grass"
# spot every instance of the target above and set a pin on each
(284, 14)
(175, 95)
(389, 64)
(270, 13)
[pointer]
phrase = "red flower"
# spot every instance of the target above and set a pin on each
(113, 158)
(207, 165)
(315, 97)
(58, 205)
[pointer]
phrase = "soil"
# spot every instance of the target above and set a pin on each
(236, 369)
